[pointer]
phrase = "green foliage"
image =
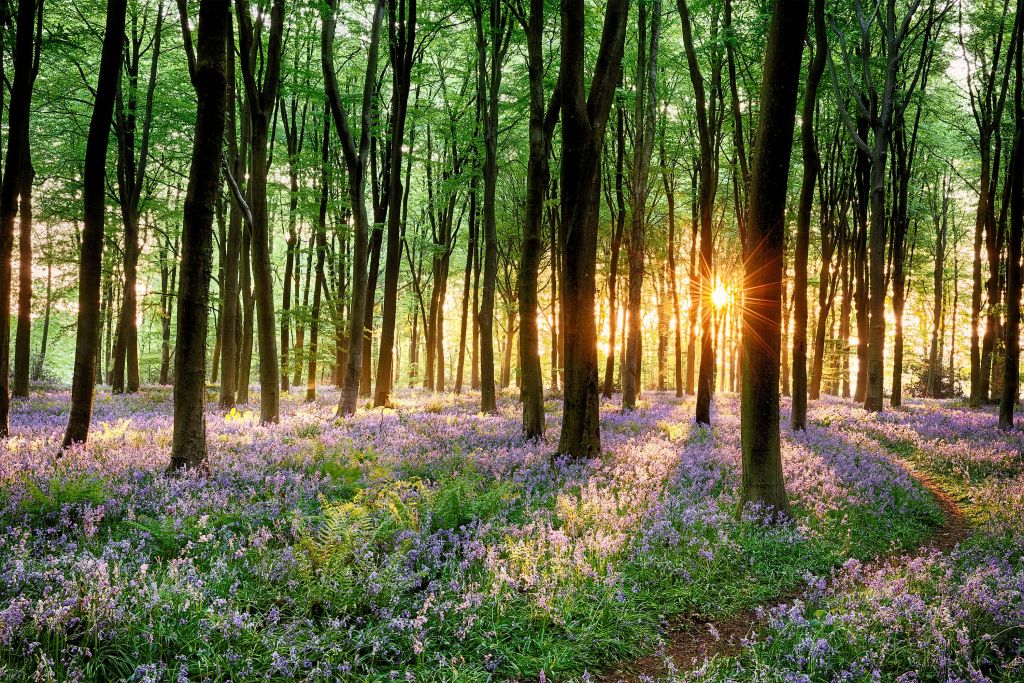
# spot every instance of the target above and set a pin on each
(43, 500)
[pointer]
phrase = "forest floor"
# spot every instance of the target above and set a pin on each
(433, 543)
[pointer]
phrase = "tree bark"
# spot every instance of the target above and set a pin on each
(762, 479)
(17, 179)
(1011, 368)
(584, 118)
(402, 43)
(93, 196)
(131, 177)
(533, 246)
(707, 128)
(811, 164)
(321, 252)
(188, 446)
(491, 51)
(23, 336)
(643, 146)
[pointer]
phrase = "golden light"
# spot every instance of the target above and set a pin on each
(719, 296)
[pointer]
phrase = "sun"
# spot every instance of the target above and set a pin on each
(719, 296)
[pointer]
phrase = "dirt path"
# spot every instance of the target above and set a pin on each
(689, 641)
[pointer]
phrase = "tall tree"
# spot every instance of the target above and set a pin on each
(533, 244)
(132, 162)
(811, 165)
(91, 260)
(493, 34)
(261, 73)
(17, 180)
(708, 126)
(643, 146)
(584, 118)
(188, 445)
(24, 331)
(321, 254)
(1011, 368)
(762, 480)
(402, 45)
(356, 158)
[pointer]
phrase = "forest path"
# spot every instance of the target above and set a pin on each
(690, 640)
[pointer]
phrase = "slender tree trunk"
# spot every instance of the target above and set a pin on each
(643, 146)
(468, 276)
(37, 371)
(93, 199)
(533, 246)
(1011, 368)
(402, 34)
(490, 49)
(762, 480)
(188, 446)
(17, 179)
(811, 164)
(23, 336)
(707, 130)
(613, 265)
(670, 199)
(355, 160)
(321, 252)
(584, 118)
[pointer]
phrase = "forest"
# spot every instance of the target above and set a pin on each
(511, 340)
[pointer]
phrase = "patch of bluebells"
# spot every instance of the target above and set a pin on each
(953, 616)
(400, 542)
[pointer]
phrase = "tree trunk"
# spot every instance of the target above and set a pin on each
(643, 146)
(321, 252)
(23, 336)
(131, 177)
(355, 161)
(762, 480)
(488, 89)
(811, 163)
(1011, 368)
(93, 199)
(613, 265)
(707, 130)
(17, 179)
(402, 41)
(231, 319)
(468, 276)
(669, 182)
(188, 446)
(584, 117)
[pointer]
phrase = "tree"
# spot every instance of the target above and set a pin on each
(643, 147)
(188, 445)
(533, 246)
(17, 179)
(93, 195)
(131, 179)
(261, 84)
(811, 166)
(355, 161)
(321, 254)
(762, 479)
(708, 125)
(584, 118)
(24, 330)
(492, 39)
(1011, 369)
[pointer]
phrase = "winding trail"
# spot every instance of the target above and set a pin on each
(690, 640)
